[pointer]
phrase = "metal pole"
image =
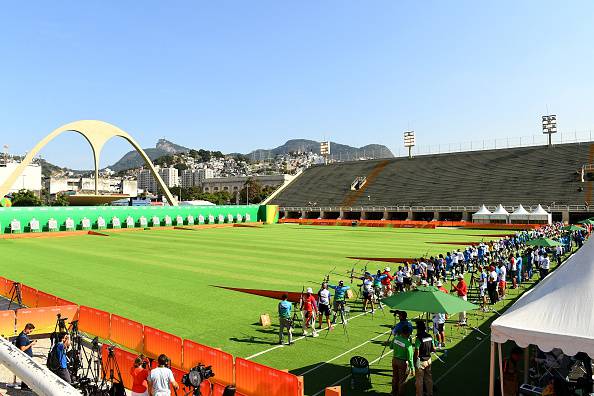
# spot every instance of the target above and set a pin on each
(492, 371)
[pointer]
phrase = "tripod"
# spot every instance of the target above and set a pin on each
(109, 371)
(15, 294)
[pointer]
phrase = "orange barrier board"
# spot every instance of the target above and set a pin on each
(258, 380)
(94, 321)
(221, 362)
(45, 318)
(7, 323)
(5, 286)
(157, 342)
(46, 300)
(29, 295)
(127, 333)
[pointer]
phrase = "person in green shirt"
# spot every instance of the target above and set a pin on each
(402, 362)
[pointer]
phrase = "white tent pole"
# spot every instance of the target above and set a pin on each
(526, 363)
(492, 371)
(500, 369)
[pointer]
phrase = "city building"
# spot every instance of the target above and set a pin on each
(200, 175)
(30, 179)
(147, 182)
(236, 183)
(86, 185)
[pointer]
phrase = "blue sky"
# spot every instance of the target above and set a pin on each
(240, 75)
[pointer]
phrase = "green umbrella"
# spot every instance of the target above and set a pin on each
(587, 221)
(572, 228)
(428, 299)
(545, 242)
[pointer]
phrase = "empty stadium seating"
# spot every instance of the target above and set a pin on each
(527, 175)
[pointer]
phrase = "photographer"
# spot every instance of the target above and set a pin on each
(160, 379)
(139, 373)
(24, 343)
(58, 355)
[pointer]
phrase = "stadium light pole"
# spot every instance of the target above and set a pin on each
(549, 126)
(409, 141)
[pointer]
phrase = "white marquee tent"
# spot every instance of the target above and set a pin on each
(520, 215)
(557, 313)
(539, 215)
(500, 215)
(482, 216)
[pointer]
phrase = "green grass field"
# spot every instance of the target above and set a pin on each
(164, 279)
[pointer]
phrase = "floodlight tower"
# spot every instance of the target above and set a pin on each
(549, 126)
(325, 150)
(409, 141)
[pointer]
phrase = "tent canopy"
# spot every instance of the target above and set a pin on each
(558, 312)
(500, 213)
(519, 214)
(482, 214)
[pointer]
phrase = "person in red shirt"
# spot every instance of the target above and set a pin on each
(440, 287)
(309, 307)
(387, 281)
(461, 290)
(139, 374)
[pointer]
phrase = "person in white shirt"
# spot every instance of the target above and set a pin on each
(161, 378)
(545, 265)
(324, 305)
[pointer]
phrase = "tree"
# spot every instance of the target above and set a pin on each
(253, 188)
(25, 198)
(60, 200)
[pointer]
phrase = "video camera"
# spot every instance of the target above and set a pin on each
(195, 377)
(395, 312)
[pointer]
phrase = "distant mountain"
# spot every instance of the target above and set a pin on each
(336, 149)
(164, 147)
(133, 160)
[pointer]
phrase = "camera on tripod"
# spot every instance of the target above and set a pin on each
(395, 312)
(195, 377)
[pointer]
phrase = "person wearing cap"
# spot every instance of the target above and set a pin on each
(387, 281)
(324, 305)
(402, 361)
(339, 298)
(402, 322)
(25, 344)
(461, 290)
(422, 358)
(310, 309)
(440, 287)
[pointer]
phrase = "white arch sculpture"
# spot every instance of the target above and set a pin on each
(97, 133)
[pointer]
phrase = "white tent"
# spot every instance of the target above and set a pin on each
(482, 216)
(540, 216)
(520, 215)
(557, 313)
(500, 215)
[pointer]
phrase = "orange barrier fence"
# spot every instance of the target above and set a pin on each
(29, 296)
(5, 285)
(124, 360)
(94, 321)
(45, 318)
(157, 342)
(221, 362)
(250, 378)
(7, 323)
(61, 301)
(410, 224)
(46, 300)
(258, 380)
(127, 333)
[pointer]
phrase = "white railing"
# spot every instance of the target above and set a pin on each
(472, 145)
